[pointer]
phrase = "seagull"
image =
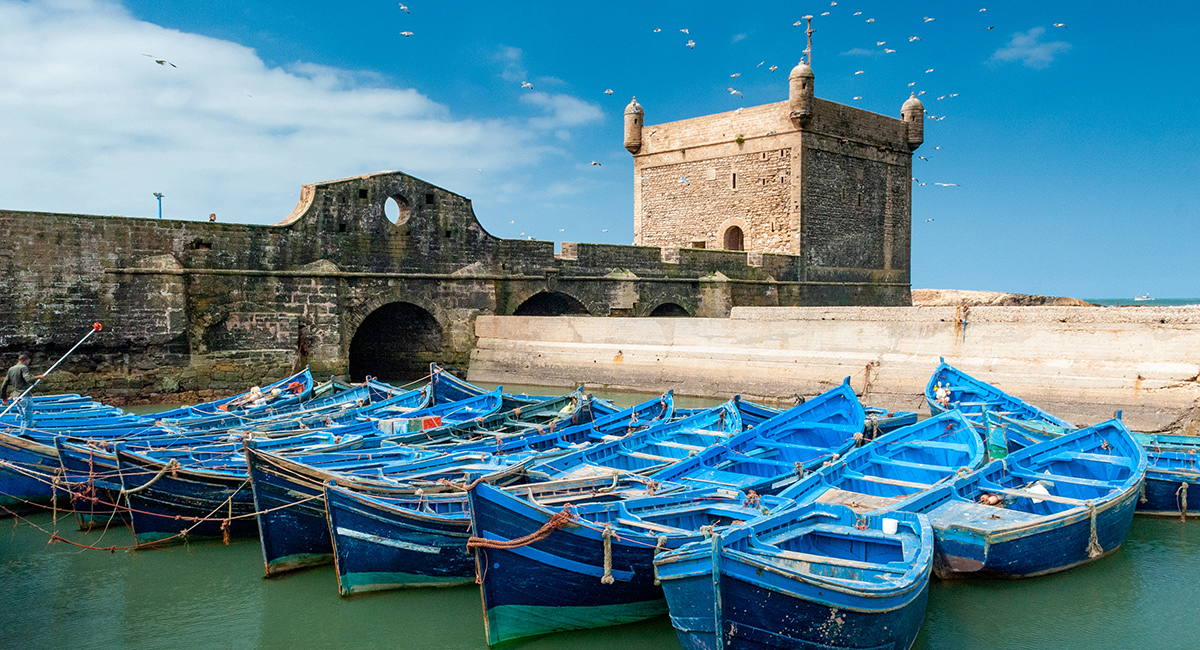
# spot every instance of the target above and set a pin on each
(685, 31)
(526, 84)
(941, 98)
(923, 158)
(870, 20)
(739, 110)
(929, 20)
(913, 38)
(691, 44)
(857, 97)
(608, 92)
(736, 92)
(770, 133)
(605, 230)
(735, 75)
(888, 50)
(947, 184)
(562, 230)
(162, 62)
(858, 13)
(880, 43)
(596, 164)
(912, 84)
(406, 34)
(954, 94)
(511, 221)
(920, 93)
(992, 27)
(657, 30)
(773, 68)
(859, 72)
(929, 70)
(916, 180)
(936, 148)
(798, 23)
(927, 220)
(760, 64)
(1063, 25)
(984, 9)
(824, 13)
(833, 4)
(684, 180)
(405, 9)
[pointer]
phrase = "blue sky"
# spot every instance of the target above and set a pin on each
(1074, 149)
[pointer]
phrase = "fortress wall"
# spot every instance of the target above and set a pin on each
(1079, 362)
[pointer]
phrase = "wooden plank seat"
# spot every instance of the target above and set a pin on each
(856, 501)
(888, 481)
(680, 445)
(644, 456)
(638, 523)
(835, 561)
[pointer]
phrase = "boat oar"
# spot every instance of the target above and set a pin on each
(95, 328)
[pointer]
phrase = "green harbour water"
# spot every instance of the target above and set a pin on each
(210, 595)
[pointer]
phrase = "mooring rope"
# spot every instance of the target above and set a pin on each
(171, 466)
(607, 578)
(1093, 548)
(1181, 496)
(1142, 495)
(556, 521)
(659, 548)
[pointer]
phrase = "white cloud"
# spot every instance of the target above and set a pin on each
(91, 125)
(737, 38)
(562, 110)
(1029, 48)
(858, 51)
(512, 64)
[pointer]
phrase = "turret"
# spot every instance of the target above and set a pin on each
(800, 93)
(633, 126)
(913, 115)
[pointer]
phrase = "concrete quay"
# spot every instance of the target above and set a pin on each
(1082, 363)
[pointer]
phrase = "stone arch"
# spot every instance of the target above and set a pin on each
(551, 303)
(734, 234)
(669, 310)
(396, 341)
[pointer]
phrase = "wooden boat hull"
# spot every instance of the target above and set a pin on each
(291, 515)
(379, 546)
(1031, 551)
(27, 471)
(1164, 495)
(185, 504)
(556, 584)
(95, 486)
(721, 598)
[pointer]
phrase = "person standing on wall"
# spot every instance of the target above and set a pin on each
(19, 380)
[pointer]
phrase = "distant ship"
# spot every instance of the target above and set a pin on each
(1144, 297)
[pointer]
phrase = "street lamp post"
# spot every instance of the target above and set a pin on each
(159, 195)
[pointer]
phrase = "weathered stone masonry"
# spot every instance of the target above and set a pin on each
(194, 309)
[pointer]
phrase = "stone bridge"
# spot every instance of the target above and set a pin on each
(193, 309)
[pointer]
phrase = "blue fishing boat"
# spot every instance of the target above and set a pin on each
(402, 521)
(778, 451)
(895, 466)
(880, 421)
(1043, 509)
(544, 569)
(819, 576)
(390, 540)
(1172, 487)
(950, 388)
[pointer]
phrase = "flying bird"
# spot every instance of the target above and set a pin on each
(858, 13)
(858, 97)
(406, 34)
(596, 164)
(735, 75)
(773, 68)
(526, 84)
(739, 110)
(913, 38)
(824, 13)
(880, 43)
(608, 92)
(927, 220)
(405, 9)
(798, 23)
(929, 70)
(888, 50)
(605, 230)
(992, 27)
(760, 64)
(941, 98)
(936, 148)
(920, 93)
(1063, 25)
(685, 31)
(735, 92)
(912, 84)
(947, 184)
(984, 9)
(162, 62)
(923, 158)
(870, 20)
(859, 72)
(929, 20)
(691, 44)
(954, 94)
(657, 30)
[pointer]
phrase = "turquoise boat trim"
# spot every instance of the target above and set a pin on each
(358, 583)
(509, 622)
(298, 561)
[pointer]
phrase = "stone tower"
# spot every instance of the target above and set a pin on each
(827, 182)
(913, 115)
(633, 126)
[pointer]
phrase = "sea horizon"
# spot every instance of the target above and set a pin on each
(1154, 302)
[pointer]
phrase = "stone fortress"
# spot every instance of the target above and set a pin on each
(806, 176)
(804, 202)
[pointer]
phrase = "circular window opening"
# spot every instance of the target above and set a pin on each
(397, 209)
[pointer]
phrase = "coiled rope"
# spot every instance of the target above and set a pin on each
(556, 521)
(171, 466)
(1181, 496)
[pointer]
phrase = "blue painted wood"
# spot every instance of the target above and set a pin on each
(558, 583)
(895, 466)
(1171, 465)
(1051, 496)
(778, 451)
(819, 576)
